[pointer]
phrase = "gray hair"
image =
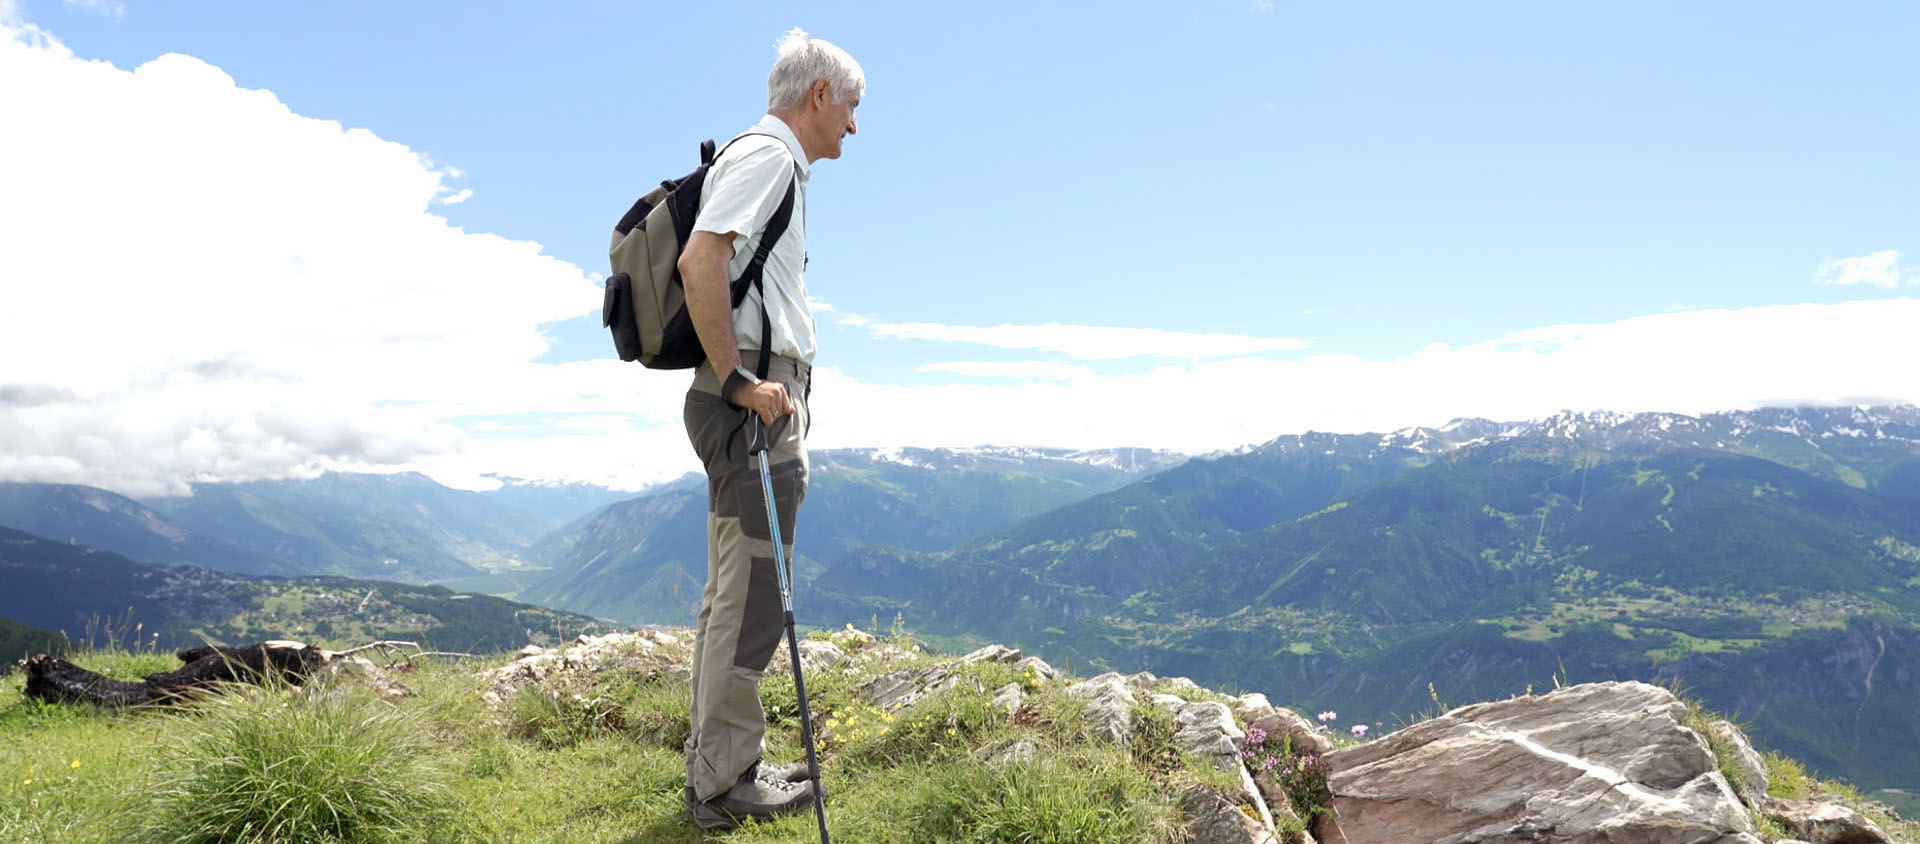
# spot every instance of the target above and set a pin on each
(803, 60)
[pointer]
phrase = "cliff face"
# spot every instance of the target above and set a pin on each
(1601, 763)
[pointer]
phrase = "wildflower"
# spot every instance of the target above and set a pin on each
(1329, 715)
(1359, 731)
(1255, 735)
(76, 764)
(27, 781)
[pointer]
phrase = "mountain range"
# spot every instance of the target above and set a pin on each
(1767, 561)
(101, 598)
(1382, 574)
(644, 560)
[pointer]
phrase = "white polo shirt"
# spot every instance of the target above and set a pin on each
(742, 190)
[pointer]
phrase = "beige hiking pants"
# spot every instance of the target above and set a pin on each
(741, 621)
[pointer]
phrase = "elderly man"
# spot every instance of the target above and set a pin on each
(759, 361)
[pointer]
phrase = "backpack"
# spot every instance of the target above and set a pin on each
(646, 304)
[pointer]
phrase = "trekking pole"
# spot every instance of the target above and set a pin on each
(759, 447)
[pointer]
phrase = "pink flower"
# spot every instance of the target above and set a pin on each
(1359, 731)
(1328, 715)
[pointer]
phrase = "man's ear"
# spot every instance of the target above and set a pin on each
(822, 94)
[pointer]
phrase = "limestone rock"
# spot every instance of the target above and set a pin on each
(1213, 819)
(1018, 753)
(1753, 769)
(1589, 764)
(1109, 706)
(1826, 823)
(646, 653)
(1207, 731)
(992, 653)
(1306, 737)
(363, 668)
(1251, 707)
(1166, 702)
(819, 656)
(900, 689)
(1041, 670)
(1009, 697)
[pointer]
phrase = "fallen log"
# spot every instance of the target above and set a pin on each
(55, 680)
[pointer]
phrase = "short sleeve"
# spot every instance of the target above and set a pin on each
(743, 189)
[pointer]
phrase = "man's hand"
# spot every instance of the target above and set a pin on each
(767, 398)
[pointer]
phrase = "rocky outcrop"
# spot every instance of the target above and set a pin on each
(1599, 763)
(647, 653)
(1606, 763)
(1826, 823)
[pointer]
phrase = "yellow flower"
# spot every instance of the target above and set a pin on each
(76, 764)
(27, 781)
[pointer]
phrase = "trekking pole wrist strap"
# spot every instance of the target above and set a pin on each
(736, 379)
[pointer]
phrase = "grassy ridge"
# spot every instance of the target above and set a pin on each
(592, 761)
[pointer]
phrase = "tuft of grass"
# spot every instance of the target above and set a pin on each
(1787, 779)
(277, 763)
(1701, 721)
(556, 718)
(1092, 798)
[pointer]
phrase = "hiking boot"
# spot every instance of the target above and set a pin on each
(750, 798)
(790, 772)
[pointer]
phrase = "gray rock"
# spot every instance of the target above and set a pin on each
(1142, 681)
(900, 689)
(1826, 823)
(1166, 702)
(1207, 731)
(992, 653)
(645, 654)
(1109, 706)
(1039, 667)
(1009, 697)
(1211, 818)
(1018, 753)
(815, 656)
(1251, 707)
(363, 668)
(1753, 769)
(1306, 737)
(1589, 764)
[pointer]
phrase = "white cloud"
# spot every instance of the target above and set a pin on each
(1010, 369)
(1093, 342)
(1692, 362)
(1880, 269)
(462, 195)
(201, 283)
(110, 8)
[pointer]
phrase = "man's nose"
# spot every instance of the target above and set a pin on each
(853, 125)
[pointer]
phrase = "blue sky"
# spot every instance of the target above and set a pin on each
(370, 234)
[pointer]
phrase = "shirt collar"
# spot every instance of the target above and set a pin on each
(778, 128)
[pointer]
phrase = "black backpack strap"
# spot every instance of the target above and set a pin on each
(755, 273)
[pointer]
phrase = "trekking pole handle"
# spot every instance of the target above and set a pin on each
(759, 442)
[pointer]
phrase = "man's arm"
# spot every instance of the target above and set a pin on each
(703, 269)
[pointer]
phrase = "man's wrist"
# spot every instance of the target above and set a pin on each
(738, 378)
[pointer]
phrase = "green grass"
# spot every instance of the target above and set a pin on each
(595, 760)
(598, 760)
